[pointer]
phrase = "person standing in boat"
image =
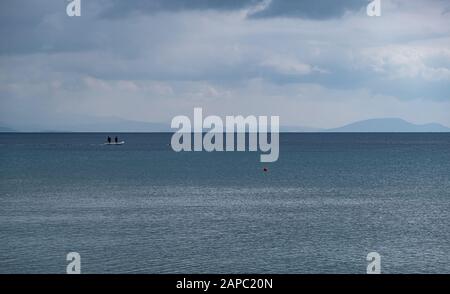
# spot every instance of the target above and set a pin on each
(109, 140)
(116, 140)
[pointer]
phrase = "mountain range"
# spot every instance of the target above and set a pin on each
(394, 125)
(111, 124)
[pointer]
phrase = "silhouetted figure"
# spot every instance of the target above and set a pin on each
(109, 139)
(116, 139)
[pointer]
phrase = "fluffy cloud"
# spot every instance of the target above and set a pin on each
(401, 61)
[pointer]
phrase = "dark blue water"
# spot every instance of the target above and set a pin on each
(141, 208)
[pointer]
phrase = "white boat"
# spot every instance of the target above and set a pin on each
(115, 143)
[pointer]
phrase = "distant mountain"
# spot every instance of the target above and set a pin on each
(91, 124)
(5, 129)
(395, 125)
(114, 124)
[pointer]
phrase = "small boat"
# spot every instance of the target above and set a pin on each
(114, 143)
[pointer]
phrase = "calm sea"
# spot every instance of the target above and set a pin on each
(326, 203)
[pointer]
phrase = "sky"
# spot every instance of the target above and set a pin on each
(314, 63)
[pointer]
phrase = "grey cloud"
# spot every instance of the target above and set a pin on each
(33, 26)
(119, 8)
(318, 9)
(26, 13)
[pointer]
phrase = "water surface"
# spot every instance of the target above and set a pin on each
(141, 208)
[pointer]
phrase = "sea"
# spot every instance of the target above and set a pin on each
(329, 200)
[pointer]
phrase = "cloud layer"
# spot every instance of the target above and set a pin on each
(314, 63)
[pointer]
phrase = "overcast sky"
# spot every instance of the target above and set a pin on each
(315, 63)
